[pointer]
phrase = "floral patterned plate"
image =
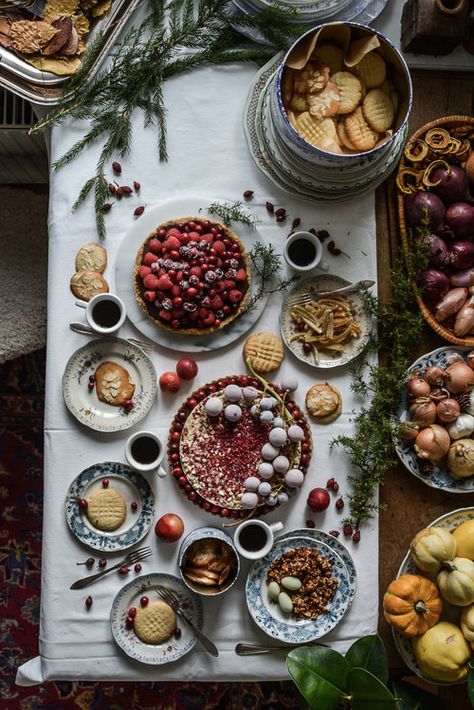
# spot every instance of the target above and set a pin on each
(439, 478)
(132, 486)
(269, 617)
(173, 648)
(86, 406)
(450, 521)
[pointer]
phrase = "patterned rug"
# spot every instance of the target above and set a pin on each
(21, 465)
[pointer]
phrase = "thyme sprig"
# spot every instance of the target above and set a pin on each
(230, 212)
(266, 265)
(175, 37)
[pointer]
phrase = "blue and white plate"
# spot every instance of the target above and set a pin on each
(268, 615)
(450, 521)
(173, 648)
(440, 477)
(132, 486)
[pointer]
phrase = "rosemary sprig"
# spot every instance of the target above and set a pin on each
(229, 212)
(266, 265)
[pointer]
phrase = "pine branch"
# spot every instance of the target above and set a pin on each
(230, 212)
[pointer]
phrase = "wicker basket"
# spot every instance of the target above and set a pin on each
(446, 333)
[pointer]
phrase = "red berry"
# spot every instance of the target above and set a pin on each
(186, 368)
(83, 503)
(105, 483)
(129, 622)
(339, 504)
(334, 533)
(138, 567)
(132, 612)
(248, 194)
(136, 185)
(90, 386)
(89, 562)
(356, 536)
(169, 382)
(318, 499)
(134, 505)
(330, 483)
(116, 167)
(310, 524)
(335, 487)
(269, 207)
(102, 563)
(88, 602)
(123, 570)
(347, 530)
(307, 347)
(138, 210)
(144, 601)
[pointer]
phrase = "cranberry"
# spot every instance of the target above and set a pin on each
(300, 326)
(206, 505)
(215, 509)
(102, 562)
(162, 233)
(335, 487)
(83, 503)
(182, 481)
(92, 378)
(310, 524)
(307, 347)
(177, 301)
(334, 533)
(178, 426)
(339, 504)
(176, 323)
(356, 536)
(182, 415)
(347, 530)
(90, 386)
(192, 291)
(105, 483)
(296, 223)
(175, 436)
(269, 207)
(330, 483)
(177, 472)
(174, 457)
(89, 602)
(225, 512)
(192, 402)
(116, 167)
(123, 570)
(212, 388)
(138, 567)
(192, 495)
(187, 487)
(201, 394)
(134, 505)
(89, 562)
(144, 601)
(177, 633)
(128, 405)
(129, 622)
(132, 612)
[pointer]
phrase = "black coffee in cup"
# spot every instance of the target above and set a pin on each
(302, 252)
(253, 538)
(106, 313)
(145, 450)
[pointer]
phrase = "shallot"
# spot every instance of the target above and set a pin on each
(423, 411)
(465, 319)
(434, 375)
(460, 219)
(459, 378)
(463, 278)
(417, 387)
(409, 430)
(448, 410)
(432, 443)
(450, 304)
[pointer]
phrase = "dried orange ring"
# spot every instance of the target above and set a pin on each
(405, 184)
(416, 150)
(426, 179)
(437, 138)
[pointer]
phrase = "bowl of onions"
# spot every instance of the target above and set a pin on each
(435, 184)
(435, 440)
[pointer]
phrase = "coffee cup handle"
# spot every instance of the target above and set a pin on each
(161, 472)
(81, 304)
(275, 527)
(323, 266)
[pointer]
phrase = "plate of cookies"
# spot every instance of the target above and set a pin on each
(146, 628)
(109, 384)
(110, 507)
(324, 331)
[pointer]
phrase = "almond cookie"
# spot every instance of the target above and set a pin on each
(378, 110)
(91, 257)
(113, 384)
(326, 103)
(85, 284)
(155, 622)
(106, 509)
(324, 402)
(372, 69)
(359, 132)
(265, 352)
(314, 130)
(350, 90)
(312, 78)
(331, 55)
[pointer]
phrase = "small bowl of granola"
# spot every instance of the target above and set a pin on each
(208, 561)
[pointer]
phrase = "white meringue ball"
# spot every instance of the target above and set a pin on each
(268, 403)
(294, 478)
(249, 500)
(213, 406)
(283, 498)
(277, 436)
(250, 393)
(254, 411)
(271, 500)
(266, 470)
(281, 464)
(266, 417)
(269, 452)
(232, 412)
(232, 393)
(278, 421)
(251, 483)
(295, 433)
(264, 489)
(289, 383)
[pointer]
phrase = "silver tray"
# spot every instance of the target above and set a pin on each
(44, 88)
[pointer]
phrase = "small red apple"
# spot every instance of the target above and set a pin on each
(318, 499)
(169, 382)
(169, 527)
(186, 368)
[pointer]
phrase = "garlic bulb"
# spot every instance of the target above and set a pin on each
(461, 458)
(462, 427)
(454, 357)
(432, 443)
(459, 378)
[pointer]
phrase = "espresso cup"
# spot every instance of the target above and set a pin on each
(144, 452)
(253, 539)
(303, 252)
(105, 312)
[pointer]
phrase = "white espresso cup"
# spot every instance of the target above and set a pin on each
(303, 252)
(144, 452)
(253, 539)
(105, 312)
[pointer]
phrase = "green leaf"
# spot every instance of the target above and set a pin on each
(367, 692)
(319, 675)
(369, 653)
(410, 697)
(470, 685)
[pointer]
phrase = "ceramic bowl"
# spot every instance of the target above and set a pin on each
(197, 536)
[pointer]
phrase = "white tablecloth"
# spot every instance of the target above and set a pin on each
(208, 156)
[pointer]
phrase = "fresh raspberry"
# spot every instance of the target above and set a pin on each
(173, 232)
(165, 315)
(235, 296)
(175, 290)
(178, 312)
(164, 283)
(219, 247)
(241, 275)
(217, 303)
(229, 284)
(195, 237)
(155, 245)
(203, 313)
(149, 258)
(144, 271)
(209, 320)
(150, 296)
(171, 243)
(195, 271)
(151, 282)
(209, 238)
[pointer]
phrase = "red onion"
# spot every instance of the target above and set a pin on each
(434, 284)
(421, 207)
(453, 184)
(462, 278)
(460, 218)
(437, 249)
(461, 254)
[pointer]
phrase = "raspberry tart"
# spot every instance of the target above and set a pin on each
(239, 449)
(192, 276)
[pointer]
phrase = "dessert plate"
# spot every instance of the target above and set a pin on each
(439, 477)
(132, 486)
(172, 209)
(85, 404)
(173, 648)
(268, 615)
(353, 348)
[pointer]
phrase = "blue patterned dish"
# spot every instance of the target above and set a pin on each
(450, 521)
(132, 486)
(268, 616)
(440, 477)
(173, 648)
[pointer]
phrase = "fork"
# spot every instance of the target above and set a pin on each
(130, 558)
(304, 298)
(87, 330)
(170, 598)
(254, 649)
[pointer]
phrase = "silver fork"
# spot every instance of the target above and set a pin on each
(84, 329)
(304, 298)
(170, 598)
(254, 649)
(130, 558)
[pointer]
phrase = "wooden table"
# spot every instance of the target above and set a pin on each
(411, 505)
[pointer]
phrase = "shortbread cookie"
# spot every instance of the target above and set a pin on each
(331, 55)
(91, 257)
(298, 103)
(106, 509)
(314, 130)
(113, 384)
(326, 103)
(372, 69)
(312, 78)
(85, 284)
(324, 402)
(359, 132)
(265, 352)
(350, 90)
(343, 137)
(155, 622)
(378, 110)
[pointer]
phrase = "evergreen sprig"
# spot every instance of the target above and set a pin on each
(229, 212)
(266, 265)
(175, 37)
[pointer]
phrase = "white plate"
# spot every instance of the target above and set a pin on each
(450, 521)
(132, 486)
(86, 406)
(174, 209)
(352, 349)
(173, 648)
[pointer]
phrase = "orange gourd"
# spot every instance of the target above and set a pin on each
(412, 604)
